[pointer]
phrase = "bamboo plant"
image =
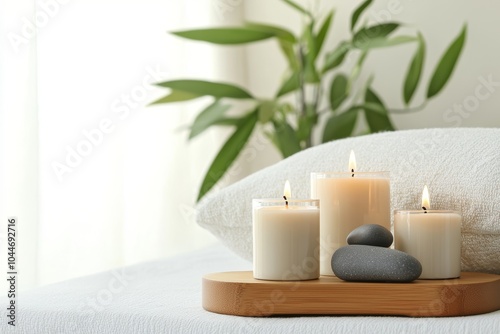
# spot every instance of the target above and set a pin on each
(322, 87)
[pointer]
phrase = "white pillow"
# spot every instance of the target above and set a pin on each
(461, 167)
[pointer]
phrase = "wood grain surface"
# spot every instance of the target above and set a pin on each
(238, 293)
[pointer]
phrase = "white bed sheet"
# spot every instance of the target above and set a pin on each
(165, 297)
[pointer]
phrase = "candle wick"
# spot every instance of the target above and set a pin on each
(352, 171)
(286, 201)
(425, 210)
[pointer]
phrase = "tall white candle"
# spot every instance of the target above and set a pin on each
(285, 239)
(431, 236)
(348, 200)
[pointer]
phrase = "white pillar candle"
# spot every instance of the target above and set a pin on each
(349, 200)
(431, 236)
(285, 239)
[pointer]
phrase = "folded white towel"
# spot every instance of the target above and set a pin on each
(461, 167)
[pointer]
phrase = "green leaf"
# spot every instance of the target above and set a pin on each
(266, 111)
(176, 96)
(365, 35)
(306, 124)
(202, 88)
(340, 126)
(356, 70)
(357, 13)
(338, 91)
(414, 71)
(335, 58)
(447, 64)
(304, 128)
(291, 84)
(208, 117)
(310, 73)
(278, 32)
(229, 35)
(323, 31)
(383, 42)
(228, 121)
(287, 140)
(299, 8)
(288, 51)
(374, 106)
(228, 153)
(376, 117)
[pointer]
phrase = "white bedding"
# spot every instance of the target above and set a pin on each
(165, 297)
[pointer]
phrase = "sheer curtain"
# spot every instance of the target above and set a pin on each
(18, 133)
(102, 180)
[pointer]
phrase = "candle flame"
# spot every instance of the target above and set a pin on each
(426, 202)
(352, 162)
(287, 192)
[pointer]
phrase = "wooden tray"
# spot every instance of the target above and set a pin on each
(238, 293)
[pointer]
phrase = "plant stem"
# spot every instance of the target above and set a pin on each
(409, 110)
(317, 98)
(302, 93)
(317, 95)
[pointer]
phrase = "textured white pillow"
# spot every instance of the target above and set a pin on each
(461, 166)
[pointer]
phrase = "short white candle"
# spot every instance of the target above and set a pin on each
(285, 239)
(431, 236)
(349, 200)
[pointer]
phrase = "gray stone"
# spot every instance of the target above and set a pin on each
(360, 263)
(370, 234)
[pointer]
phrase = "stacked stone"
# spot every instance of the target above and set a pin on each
(368, 258)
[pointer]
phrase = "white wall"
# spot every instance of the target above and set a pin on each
(439, 21)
